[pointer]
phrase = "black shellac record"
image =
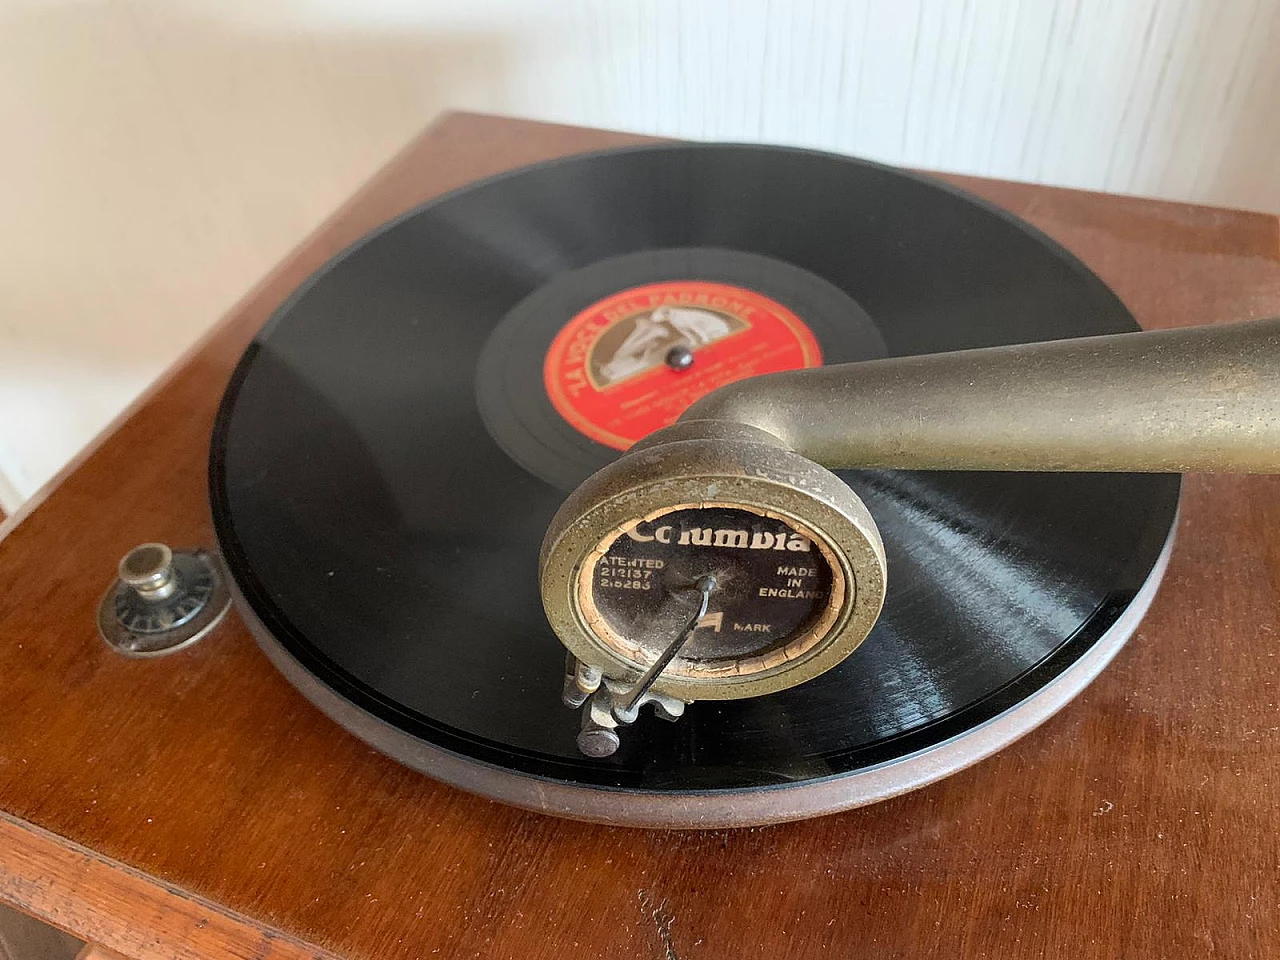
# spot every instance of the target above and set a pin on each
(387, 458)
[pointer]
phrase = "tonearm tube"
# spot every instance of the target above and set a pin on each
(751, 464)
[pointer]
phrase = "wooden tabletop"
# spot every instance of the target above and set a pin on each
(196, 805)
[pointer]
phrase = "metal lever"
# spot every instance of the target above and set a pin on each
(1193, 399)
(627, 705)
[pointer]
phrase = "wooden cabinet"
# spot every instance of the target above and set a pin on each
(196, 805)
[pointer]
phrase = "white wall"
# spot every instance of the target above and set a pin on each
(160, 155)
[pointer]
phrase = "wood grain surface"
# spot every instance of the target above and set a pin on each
(94, 952)
(202, 795)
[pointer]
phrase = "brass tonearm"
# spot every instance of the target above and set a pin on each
(753, 460)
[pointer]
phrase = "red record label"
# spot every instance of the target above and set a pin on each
(607, 373)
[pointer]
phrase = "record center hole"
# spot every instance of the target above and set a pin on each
(679, 357)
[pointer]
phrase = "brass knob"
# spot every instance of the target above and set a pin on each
(147, 569)
(162, 601)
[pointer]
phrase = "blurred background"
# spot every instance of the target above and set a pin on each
(161, 155)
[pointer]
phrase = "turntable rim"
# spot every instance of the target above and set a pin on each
(604, 783)
(721, 808)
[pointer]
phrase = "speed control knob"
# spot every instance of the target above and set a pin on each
(162, 601)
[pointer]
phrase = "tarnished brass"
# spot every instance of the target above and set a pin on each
(731, 465)
(1195, 399)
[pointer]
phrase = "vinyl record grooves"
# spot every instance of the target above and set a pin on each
(396, 440)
